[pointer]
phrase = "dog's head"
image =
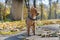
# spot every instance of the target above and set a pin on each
(34, 12)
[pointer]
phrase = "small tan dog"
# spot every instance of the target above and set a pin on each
(30, 21)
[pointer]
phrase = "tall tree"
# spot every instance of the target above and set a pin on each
(56, 3)
(28, 6)
(41, 10)
(16, 9)
(1, 11)
(49, 17)
(5, 9)
(34, 3)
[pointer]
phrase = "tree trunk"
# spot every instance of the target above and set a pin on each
(49, 17)
(56, 9)
(1, 14)
(41, 10)
(34, 3)
(16, 9)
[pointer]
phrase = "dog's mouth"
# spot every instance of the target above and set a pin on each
(34, 17)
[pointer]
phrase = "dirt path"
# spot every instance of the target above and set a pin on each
(23, 34)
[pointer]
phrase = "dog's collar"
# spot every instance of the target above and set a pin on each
(31, 18)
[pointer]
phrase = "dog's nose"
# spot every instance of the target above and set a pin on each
(37, 13)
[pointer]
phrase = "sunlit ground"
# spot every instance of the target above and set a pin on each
(13, 27)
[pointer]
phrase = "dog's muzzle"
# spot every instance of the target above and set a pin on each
(34, 17)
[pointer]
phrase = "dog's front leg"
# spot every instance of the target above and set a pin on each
(28, 30)
(33, 28)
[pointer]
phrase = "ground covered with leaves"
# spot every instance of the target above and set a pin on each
(12, 27)
(7, 28)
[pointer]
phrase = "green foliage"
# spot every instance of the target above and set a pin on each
(4, 11)
(1, 6)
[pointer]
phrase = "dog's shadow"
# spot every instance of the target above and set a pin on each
(17, 37)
